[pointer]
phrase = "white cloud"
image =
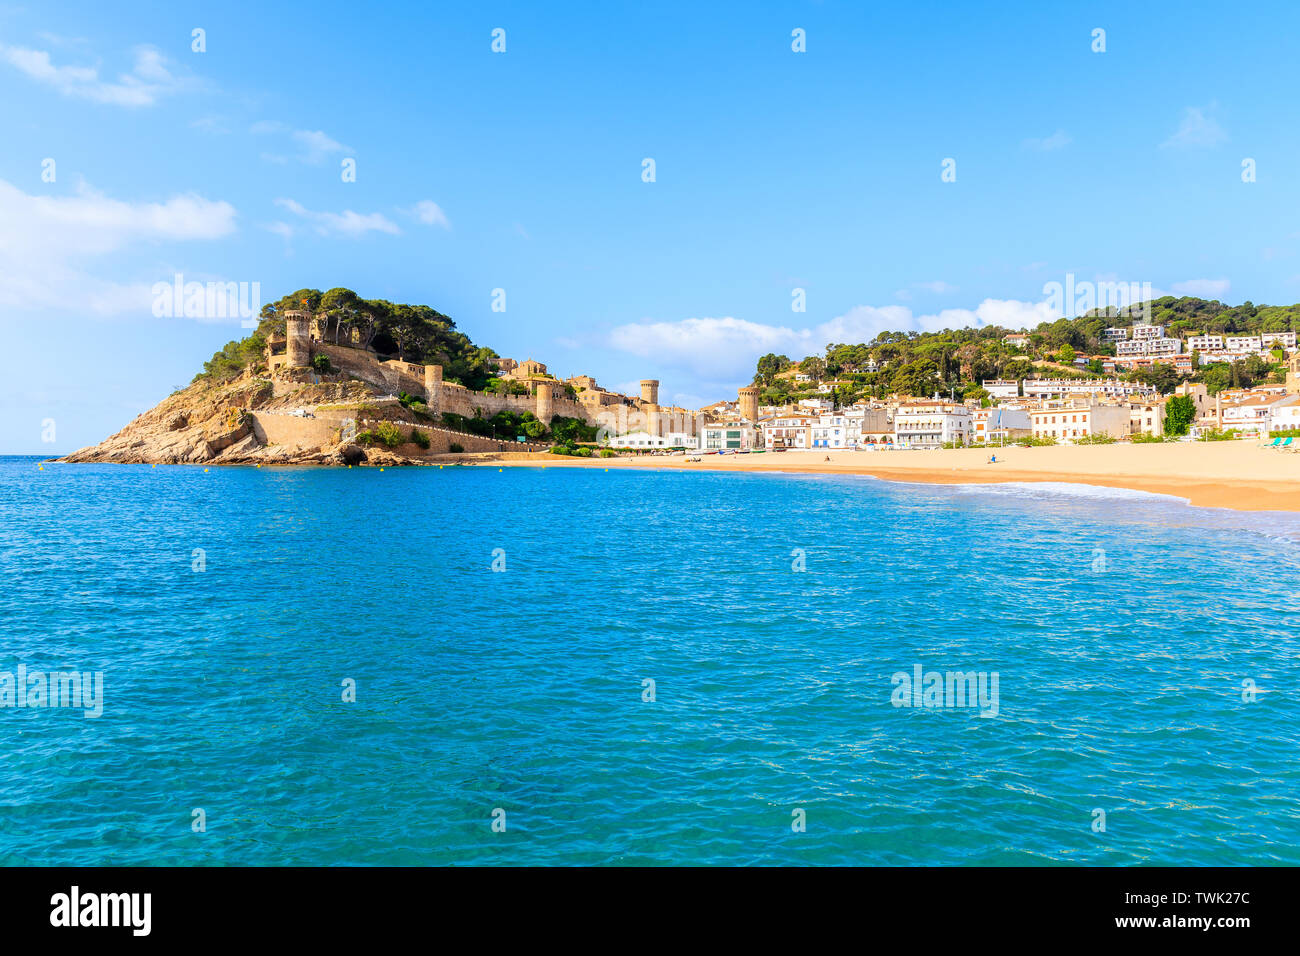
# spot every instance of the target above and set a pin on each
(314, 145)
(347, 223)
(725, 349)
(1197, 128)
(1058, 140)
(938, 287)
(49, 241)
(150, 77)
(1203, 288)
(430, 213)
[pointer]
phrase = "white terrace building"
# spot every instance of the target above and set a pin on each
(932, 424)
(788, 431)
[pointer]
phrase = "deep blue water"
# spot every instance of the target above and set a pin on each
(1121, 627)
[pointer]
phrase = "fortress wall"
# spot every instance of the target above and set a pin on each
(441, 440)
(290, 430)
(461, 401)
(392, 376)
(273, 429)
(395, 377)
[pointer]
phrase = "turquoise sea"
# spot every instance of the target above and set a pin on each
(1121, 627)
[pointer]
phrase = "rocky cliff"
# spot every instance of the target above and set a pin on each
(216, 422)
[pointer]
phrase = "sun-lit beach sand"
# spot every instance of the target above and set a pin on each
(1240, 475)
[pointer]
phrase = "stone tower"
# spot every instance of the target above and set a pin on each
(433, 387)
(545, 398)
(297, 334)
(749, 403)
(1293, 374)
(650, 391)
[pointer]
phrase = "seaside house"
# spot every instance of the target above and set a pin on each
(1067, 419)
(1250, 413)
(999, 424)
(1285, 415)
(1147, 418)
(830, 431)
(791, 430)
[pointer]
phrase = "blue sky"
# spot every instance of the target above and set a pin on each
(522, 170)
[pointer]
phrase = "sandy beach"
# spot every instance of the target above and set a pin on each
(1233, 474)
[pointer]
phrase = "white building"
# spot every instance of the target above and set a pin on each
(1252, 413)
(1286, 340)
(1242, 343)
(931, 424)
(831, 431)
(643, 440)
(991, 426)
(1049, 388)
(1205, 343)
(788, 431)
(1001, 387)
(1116, 334)
(1285, 416)
(1148, 345)
(728, 436)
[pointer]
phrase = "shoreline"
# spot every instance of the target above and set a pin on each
(1239, 476)
(1233, 475)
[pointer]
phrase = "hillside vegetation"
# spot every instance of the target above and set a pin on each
(412, 333)
(954, 361)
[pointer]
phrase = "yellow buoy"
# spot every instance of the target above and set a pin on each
(205, 471)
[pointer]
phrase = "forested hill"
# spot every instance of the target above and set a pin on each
(954, 361)
(413, 333)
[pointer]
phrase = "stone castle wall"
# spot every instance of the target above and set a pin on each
(293, 431)
(395, 377)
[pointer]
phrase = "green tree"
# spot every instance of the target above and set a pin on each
(1180, 412)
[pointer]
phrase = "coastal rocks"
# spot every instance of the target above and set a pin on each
(224, 423)
(349, 454)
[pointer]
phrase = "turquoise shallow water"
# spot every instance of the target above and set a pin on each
(1121, 627)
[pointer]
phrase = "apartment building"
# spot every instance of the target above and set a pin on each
(728, 436)
(831, 431)
(1051, 388)
(788, 431)
(931, 424)
(1148, 345)
(1205, 343)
